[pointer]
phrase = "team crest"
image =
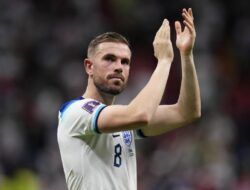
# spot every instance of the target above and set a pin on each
(127, 137)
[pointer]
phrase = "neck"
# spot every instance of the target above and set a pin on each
(93, 93)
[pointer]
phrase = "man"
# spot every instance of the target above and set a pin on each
(96, 138)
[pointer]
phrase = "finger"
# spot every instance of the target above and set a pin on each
(189, 26)
(158, 32)
(188, 18)
(177, 27)
(190, 12)
(162, 26)
(165, 21)
(186, 12)
(164, 29)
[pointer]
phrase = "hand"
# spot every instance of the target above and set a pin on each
(163, 49)
(185, 39)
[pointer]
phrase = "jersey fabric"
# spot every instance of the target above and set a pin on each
(92, 160)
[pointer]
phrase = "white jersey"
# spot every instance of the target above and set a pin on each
(92, 160)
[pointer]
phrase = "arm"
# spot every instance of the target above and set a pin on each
(140, 111)
(188, 106)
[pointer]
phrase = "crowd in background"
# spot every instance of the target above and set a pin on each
(42, 47)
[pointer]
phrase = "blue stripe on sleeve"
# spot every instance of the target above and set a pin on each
(67, 104)
(95, 118)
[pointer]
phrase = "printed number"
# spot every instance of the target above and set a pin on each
(118, 153)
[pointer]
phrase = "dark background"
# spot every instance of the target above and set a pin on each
(42, 46)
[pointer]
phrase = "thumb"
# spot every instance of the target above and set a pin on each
(177, 27)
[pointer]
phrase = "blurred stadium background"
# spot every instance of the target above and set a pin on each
(42, 45)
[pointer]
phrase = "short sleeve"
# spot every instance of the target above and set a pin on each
(95, 117)
(80, 118)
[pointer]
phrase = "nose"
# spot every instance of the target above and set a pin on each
(118, 67)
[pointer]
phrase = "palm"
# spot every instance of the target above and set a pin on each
(184, 41)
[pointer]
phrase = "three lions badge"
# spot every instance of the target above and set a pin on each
(127, 139)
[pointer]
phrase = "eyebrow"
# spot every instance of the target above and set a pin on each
(110, 55)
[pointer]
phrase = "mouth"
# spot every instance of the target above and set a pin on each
(117, 77)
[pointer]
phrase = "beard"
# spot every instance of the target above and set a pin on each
(108, 86)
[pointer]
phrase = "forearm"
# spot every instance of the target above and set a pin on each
(150, 96)
(189, 102)
(169, 117)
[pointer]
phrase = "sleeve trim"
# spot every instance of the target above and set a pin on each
(95, 118)
(140, 133)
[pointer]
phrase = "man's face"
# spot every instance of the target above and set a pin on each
(111, 64)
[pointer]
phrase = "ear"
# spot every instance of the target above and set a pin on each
(88, 65)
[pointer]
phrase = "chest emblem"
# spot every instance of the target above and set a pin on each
(127, 137)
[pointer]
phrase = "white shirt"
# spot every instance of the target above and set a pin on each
(94, 161)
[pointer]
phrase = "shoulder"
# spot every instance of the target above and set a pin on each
(68, 104)
(80, 104)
